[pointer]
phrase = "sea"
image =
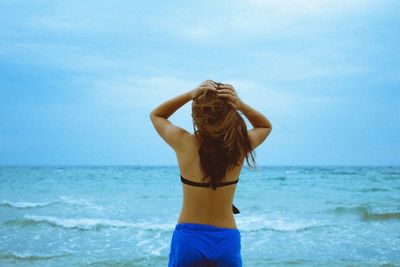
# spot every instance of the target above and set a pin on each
(125, 215)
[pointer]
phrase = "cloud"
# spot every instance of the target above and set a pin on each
(246, 21)
(302, 7)
(65, 57)
(125, 92)
(279, 101)
(91, 17)
(139, 95)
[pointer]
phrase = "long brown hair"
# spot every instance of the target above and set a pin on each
(222, 134)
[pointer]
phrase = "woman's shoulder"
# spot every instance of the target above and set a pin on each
(190, 143)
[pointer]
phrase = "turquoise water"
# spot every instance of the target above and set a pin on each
(124, 216)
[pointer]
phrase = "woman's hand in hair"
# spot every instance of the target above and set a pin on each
(227, 90)
(206, 85)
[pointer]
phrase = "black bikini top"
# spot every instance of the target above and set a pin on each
(188, 182)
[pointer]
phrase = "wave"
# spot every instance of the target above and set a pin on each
(24, 205)
(344, 172)
(79, 202)
(280, 178)
(287, 228)
(365, 213)
(61, 200)
(5, 255)
(249, 224)
(80, 224)
(261, 223)
(95, 224)
(375, 189)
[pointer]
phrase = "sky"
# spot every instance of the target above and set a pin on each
(78, 79)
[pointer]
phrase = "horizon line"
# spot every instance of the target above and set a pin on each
(175, 165)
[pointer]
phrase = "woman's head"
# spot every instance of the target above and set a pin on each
(222, 133)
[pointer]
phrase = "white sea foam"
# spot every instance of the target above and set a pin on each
(155, 226)
(91, 223)
(281, 224)
(80, 202)
(83, 223)
(27, 256)
(61, 200)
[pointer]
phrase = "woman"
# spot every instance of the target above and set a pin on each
(210, 161)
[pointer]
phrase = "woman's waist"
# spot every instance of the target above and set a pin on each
(225, 221)
(195, 226)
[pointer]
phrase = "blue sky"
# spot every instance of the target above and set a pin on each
(79, 78)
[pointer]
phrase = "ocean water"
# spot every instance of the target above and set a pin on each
(124, 216)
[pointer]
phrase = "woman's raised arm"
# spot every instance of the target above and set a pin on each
(262, 126)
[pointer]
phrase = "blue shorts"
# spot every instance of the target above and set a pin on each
(195, 244)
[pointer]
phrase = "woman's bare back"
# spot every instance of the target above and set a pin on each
(205, 205)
